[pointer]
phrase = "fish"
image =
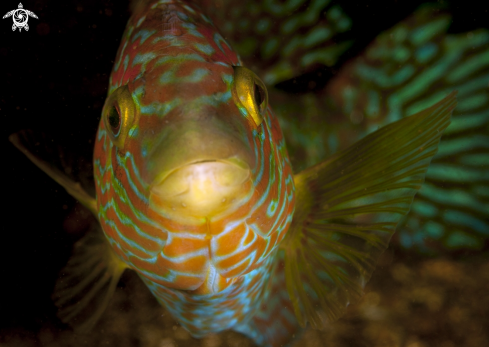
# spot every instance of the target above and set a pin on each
(407, 67)
(195, 191)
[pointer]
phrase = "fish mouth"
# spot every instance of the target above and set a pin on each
(202, 188)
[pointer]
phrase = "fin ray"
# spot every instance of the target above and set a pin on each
(88, 281)
(348, 209)
(30, 144)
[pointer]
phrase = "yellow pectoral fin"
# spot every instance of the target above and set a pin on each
(348, 208)
(88, 281)
(27, 143)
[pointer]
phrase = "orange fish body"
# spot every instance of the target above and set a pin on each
(187, 136)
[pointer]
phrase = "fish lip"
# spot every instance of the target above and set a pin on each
(232, 161)
(203, 188)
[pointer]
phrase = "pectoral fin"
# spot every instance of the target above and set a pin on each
(88, 281)
(47, 158)
(348, 208)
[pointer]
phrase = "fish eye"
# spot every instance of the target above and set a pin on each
(260, 97)
(114, 119)
(119, 115)
(250, 94)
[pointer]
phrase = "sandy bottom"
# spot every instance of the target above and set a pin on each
(408, 303)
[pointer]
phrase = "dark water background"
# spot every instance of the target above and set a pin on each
(54, 79)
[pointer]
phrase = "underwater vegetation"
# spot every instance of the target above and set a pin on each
(361, 93)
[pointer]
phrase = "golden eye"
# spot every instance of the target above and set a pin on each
(119, 115)
(250, 94)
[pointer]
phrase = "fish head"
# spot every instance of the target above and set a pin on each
(200, 157)
(194, 185)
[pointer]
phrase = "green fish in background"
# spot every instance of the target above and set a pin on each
(282, 249)
(405, 69)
